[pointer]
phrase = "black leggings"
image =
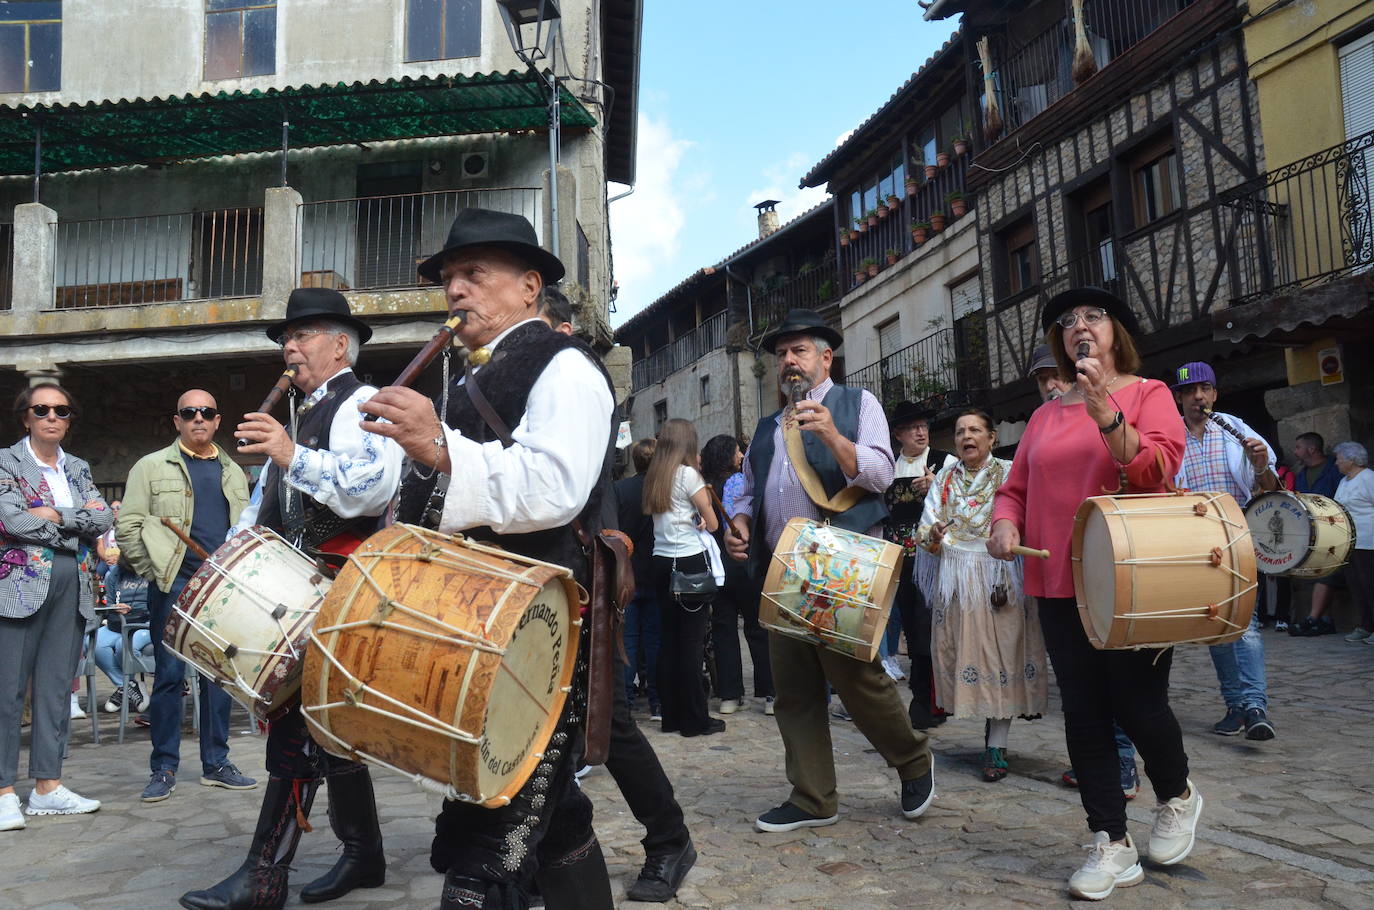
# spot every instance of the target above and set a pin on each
(681, 652)
(1130, 688)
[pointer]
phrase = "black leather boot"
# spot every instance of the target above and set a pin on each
(260, 883)
(579, 882)
(464, 893)
(353, 816)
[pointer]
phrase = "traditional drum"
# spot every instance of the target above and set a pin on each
(1155, 570)
(1302, 535)
(831, 587)
(444, 660)
(244, 617)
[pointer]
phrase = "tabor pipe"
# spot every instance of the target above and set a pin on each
(190, 544)
(442, 339)
(1240, 437)
(273, 396)
(1030, 551)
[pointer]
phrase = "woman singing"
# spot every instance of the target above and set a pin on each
(50, 517)
(1112, 430)
(988, 652)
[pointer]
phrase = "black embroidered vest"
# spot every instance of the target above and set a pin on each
(506, 381)
(317, 523)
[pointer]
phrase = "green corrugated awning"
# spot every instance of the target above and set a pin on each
(163, 130)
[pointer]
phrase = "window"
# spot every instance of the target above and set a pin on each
(889, 183)
(889, 338)
(1154, 181)
(30, 46)
(1092, 234)
(1020, 262)
(240, 38)
(706, 390)
(443, 29)
(660, 415)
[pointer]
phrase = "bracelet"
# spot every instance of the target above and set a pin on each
(1120, 419)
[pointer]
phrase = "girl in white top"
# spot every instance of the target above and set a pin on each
(676, 496)
(1356, 493)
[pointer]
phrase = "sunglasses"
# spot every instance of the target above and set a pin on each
(61, 411)
(203, 410)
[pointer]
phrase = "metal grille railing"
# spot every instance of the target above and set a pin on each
(1305, 224)
(681, 352)
(931, 370)
(376, 242)
(1031, 75)
(816, 288)
(6, 265)
(157, 258)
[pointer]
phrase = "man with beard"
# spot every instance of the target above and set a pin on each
(846, 441)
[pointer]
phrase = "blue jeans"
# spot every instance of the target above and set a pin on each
(109, 651)
(642, 634)
(1240, 669)
(164, 713)
(892, 635)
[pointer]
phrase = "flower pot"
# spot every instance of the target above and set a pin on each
(931, 171)
(937, 223)
(863, 226)
(873, 220)
(891, 260)
(958, 207)
(960, 146)
(882, 212)
(918, 236)
(912, 185)
(844, 240)
(859, 276)
(873, 270)
(894, 203)
(853, 235)
(942, 159)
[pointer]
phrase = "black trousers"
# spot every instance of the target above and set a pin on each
(739, 599)
(1099, 688)
(681, 652)
(293, 755)
(916, 622)
(643, 782)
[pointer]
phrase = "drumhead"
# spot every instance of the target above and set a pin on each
(527, 691)
(1282, 530)
(1098, 592)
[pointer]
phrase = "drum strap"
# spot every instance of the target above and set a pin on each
(842, 501)
(608, 557)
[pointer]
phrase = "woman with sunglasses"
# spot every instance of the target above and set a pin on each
(1111, 431)
(51, 514)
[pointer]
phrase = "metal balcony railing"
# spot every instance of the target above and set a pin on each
(157, 258)
(1305, 224)
(681, 352)
(815, 288)
(933, 370)
(375, 242)
(1034, 74)
(6, 265)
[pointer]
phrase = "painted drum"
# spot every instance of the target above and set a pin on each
(1300, 535)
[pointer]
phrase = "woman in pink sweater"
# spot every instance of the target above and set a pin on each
(1113, 431)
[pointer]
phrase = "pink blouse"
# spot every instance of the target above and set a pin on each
(1063, 459)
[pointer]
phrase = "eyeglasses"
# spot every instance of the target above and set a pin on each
(301, 334)
(60, 411)
(1090, 318)
(203, 410)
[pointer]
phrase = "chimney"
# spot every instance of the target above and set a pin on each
(768, 217)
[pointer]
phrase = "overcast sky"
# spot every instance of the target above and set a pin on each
(738, 100)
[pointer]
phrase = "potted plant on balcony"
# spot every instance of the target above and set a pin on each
(958, 203)
(912, 184)
(872, 218)
(930, 170)
(892, 257)
(853, 235)
(860, 273)
(919, 230)
(937, 221)
(881, 210)
(861, 224)
(844, 237)
(961, 141)
(870, 266)
(942, 159)
(894, 202)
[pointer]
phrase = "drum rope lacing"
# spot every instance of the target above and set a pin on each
(789, 560)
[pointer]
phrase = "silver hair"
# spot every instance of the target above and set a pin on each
(1353, 452)
(821, 344)
(354, 342)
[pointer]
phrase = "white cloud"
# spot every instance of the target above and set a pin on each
(646, 226)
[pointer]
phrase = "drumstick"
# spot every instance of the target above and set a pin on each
(190, 544)
(1029, 551)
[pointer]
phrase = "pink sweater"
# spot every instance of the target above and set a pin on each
(1062, 460)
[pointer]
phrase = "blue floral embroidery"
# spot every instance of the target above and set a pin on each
(970, 675)
(1031, 671)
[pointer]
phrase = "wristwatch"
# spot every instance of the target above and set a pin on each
(1116, 422)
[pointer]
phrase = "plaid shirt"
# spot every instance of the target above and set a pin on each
(1205, 466)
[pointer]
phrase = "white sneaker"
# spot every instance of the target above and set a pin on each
(728, 706)
(60, 802)
(1171, 839)
(893, 668)
(11, 819)
(768, 705)
(582, 772)
(1108, 866)
(77, 713)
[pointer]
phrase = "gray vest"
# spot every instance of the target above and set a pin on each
(843, 403)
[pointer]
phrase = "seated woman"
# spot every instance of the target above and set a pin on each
(989, 656)
(126, 595)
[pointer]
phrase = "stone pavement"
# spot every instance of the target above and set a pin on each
(1289, 823)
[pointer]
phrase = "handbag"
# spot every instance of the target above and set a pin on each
(692, 590)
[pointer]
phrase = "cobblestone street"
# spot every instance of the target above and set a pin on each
(1289, 823)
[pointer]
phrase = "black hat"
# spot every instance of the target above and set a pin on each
(907, 412)
(483, 227)
(318, 303)
(802, 322)
(1067, 300)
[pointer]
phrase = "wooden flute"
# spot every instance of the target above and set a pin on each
(442, 339)
(273, 396)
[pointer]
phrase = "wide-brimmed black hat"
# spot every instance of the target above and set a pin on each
(907, 412)
(802, 322)
(483, 227)
(318, 303)
(1067, 300)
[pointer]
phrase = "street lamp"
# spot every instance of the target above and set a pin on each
(544, 16)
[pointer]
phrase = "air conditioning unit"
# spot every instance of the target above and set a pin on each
(474, 166)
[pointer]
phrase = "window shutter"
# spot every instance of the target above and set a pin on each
(1357, 86)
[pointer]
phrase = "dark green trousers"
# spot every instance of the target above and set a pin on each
(800, 673)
